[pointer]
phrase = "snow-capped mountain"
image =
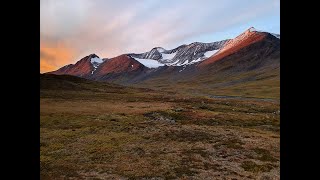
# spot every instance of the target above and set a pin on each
(83, 68)
(248, 37)
(252, 48)
(197, 51)
(180, 56)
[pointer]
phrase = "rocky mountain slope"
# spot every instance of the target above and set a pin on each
(182, 55)
(253, 70)
(251, 57)
(83, 68)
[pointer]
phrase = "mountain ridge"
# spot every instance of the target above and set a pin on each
(252, 55)
(186, 54)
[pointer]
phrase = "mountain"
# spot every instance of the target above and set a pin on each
(237, 66)
(83, 68)
(245, 39)
(248, 65)
(119, 69)
(182, 55)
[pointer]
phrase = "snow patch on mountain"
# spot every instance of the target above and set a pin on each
(182, 64)
(206, 55)
(182, 55)
(184, 67)
(198, 60)
(95, 63)
(210, 53)
(160, 49)
(96, 59)
(150, 63)
(168, 56)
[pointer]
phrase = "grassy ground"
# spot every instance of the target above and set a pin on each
(254, 84)
(125, 133)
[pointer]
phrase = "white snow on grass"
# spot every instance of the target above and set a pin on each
(168, 56)
(150, 63)
(210, 53)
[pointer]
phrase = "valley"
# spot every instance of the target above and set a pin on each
(197, 111)
(99, 130)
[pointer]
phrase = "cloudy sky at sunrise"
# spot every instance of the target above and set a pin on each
(72, 29)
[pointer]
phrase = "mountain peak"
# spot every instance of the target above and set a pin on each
(239, 39)
(246, 38)
(247, 32)
(252, 29)
(93, 55)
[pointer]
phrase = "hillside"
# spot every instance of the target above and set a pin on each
(250, 71)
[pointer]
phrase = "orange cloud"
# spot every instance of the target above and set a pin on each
(46, 67)
(54, 56)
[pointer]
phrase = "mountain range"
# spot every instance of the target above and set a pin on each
(247, 65)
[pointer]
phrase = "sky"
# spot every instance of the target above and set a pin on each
(72, 29)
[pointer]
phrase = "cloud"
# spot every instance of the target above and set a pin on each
(71, 29)
(46, 67)
(54, 55)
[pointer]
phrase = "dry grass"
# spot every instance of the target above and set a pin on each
(256, 84)
(111, 135)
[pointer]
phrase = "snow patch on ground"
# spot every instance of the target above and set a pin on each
(150, 63)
